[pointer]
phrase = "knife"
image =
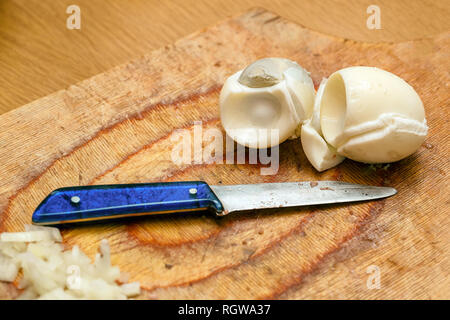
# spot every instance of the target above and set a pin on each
(99, 202)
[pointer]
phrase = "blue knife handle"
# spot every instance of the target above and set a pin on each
(88, 203)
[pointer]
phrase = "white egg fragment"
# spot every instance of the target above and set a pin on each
(320, 154)
(270, 95)
(47, 271)
(371, 115)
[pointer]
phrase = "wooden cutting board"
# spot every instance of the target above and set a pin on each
(120, 127)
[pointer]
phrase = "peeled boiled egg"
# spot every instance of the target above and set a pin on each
(270, 95)
(320, 154)
(371, 115)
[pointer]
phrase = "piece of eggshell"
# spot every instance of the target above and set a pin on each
(371, 115)
(320, 154)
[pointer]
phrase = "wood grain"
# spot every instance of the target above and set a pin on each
(119, 127)
(38, 55)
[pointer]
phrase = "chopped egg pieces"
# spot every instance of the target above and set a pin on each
(50, 272)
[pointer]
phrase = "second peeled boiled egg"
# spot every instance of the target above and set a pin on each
(371, 115)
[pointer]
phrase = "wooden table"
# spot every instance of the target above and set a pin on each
(38, 55)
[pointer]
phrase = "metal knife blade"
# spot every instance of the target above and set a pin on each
(294, 194)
